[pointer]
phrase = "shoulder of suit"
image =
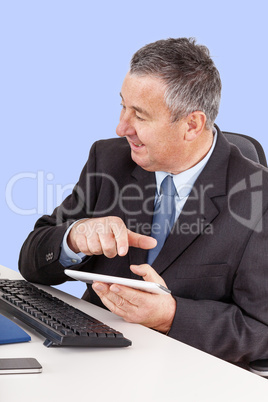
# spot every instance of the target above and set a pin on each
(241, 168)
(110, 144)
(247, 163)
(112, 155)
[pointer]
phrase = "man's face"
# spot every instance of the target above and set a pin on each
(156, 143)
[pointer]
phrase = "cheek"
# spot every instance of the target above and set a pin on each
(148, 135)
(163, 150)
(155, 140)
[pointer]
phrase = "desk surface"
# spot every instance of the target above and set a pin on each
(154, 368)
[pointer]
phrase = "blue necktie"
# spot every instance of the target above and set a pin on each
(164, 216)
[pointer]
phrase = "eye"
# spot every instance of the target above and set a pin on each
(123, 106)
(139, 118)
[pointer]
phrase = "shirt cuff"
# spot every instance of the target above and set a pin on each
(67, 256)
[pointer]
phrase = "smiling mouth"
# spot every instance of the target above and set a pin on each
(135, 145)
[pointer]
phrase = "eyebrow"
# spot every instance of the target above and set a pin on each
(138, 109)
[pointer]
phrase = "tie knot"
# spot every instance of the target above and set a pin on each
(168, 187)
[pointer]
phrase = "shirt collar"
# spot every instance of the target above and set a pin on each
(184, 181)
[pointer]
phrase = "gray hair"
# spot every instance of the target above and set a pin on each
(192, 81)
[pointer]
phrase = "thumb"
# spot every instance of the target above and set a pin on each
(148, 273)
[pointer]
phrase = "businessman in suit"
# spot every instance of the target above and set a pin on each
(214, 253)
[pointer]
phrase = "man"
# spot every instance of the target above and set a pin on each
(214, 260)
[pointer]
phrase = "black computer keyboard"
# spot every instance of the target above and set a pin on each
(60, 323)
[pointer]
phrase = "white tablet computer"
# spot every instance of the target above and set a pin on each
(88, 277)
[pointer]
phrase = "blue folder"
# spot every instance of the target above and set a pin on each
(11, 332)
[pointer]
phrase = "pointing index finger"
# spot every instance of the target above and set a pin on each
(141, 241)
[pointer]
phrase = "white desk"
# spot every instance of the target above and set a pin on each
(154, 368)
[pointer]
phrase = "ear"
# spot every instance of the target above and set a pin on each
(196, 122)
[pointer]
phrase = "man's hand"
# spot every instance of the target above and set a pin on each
(108, 236)
(151, 310)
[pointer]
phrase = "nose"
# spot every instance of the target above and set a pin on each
(125, 128)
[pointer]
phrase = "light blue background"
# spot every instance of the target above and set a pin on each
(62, 64)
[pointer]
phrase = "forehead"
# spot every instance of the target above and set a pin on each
(146, 92)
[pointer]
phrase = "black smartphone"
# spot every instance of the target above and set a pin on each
(25, 365)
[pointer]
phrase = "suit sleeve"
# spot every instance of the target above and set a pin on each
(39, 256)
(237, 331)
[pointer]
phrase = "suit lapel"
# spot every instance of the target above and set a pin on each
(190, 224)
(199, 210)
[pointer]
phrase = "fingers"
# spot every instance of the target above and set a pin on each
(151, 310)
(120, 233)
(115, 303)
(97, 236)
(108, 236)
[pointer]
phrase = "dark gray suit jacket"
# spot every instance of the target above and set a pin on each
(215, 261)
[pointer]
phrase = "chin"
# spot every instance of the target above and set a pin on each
(145, 166)
(143, 163)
